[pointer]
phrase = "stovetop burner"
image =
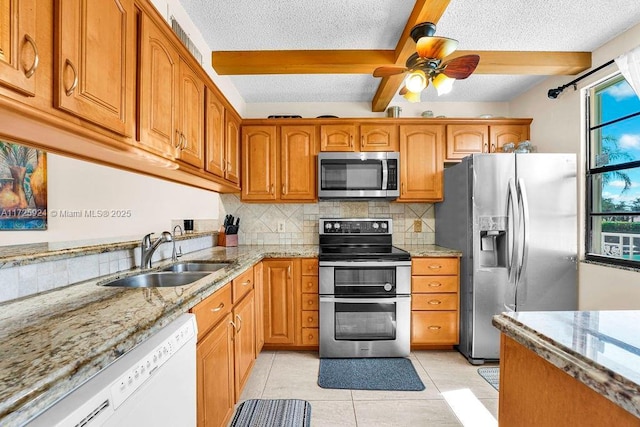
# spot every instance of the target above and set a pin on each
(358, 239)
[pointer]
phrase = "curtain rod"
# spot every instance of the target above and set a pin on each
(553, 93)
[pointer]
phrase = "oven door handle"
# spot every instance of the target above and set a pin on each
(357, 264)
(399, 298)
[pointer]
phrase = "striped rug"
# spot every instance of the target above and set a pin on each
(273, 413)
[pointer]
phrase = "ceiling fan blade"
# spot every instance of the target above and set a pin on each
(389, 70)
(461, 67)
(435, 47)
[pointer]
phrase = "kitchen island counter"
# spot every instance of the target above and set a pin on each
(598, 350)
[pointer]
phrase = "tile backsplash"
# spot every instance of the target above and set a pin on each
(260, 223)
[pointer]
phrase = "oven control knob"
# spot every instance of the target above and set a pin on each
(388, 287)
(328, 226)
(336, 225)
(375, 226)
(384, 225)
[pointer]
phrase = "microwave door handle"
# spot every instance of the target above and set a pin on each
(385, 174)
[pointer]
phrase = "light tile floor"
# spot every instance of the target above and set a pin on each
(294, 375)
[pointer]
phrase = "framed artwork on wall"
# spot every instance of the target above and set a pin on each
(23, 187)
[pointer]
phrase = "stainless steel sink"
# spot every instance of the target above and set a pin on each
(196, 266)
(157, 279)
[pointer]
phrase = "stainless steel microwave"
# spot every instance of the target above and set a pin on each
(358, 175)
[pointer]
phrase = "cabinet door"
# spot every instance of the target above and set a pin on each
(190, 116)
(338, 137)
(298, 163)
(18, 46)
(421, 162)
(379, 137)
(463, 140)
(232, 150)
(159, 67)
(215, 379)
(503, 134)
(215, 135)
(244, 341)
(279, 301)
(259, 163)
(95, 71)
(259, 297)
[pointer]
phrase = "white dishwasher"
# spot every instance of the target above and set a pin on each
(154, 384)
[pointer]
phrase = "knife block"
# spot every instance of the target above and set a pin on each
(227, 239)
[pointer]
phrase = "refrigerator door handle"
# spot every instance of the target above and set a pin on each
(525, 224)
(511, 214)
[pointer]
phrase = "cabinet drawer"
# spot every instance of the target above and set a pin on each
(309, 285)
(434, 284)
(310, 266)
(434, 328)
(242, 285)
(434, 302)
(309, 336)
(212, 309)
(309, 319)
(309, 301)
(434, 266)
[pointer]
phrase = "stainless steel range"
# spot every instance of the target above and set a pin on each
(365, 290)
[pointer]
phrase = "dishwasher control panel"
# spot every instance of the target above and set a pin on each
(131, 380)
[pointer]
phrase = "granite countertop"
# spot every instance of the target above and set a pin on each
(601, 349)
(54, 341)
(430, 251)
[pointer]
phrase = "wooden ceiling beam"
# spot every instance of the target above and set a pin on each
(423, 11)
(300, 61)
(532, 63)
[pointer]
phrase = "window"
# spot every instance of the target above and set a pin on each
(613, 173)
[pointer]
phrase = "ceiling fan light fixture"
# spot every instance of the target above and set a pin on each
(412, 96)
(443, 84)
(416, 81)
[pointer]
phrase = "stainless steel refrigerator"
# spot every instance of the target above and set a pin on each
(513, 217)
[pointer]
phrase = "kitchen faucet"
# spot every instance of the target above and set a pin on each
(147, 248)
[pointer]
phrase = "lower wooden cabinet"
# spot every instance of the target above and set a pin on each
(278, 278)
(215, 375)
(309, 302)
(244, 340)
(434, 301)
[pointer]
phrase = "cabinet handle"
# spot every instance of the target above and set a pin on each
(435, 327)
(246, 283)
(185, 142)
(288, 272)
(486, 147)
(271, 191)
(283, 189)
(493, 148)
(435, 284)
(309, 319)
(351, 141)
(435, 302)
(435, 267)
(362, 142)
(218, 308)
(74, 85)
(310, 303)
(235, 330)
(239, 322)
(178, 139)
(36, 58)
(402, 189)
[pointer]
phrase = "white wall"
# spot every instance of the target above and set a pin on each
(75, 185)
(558, 127)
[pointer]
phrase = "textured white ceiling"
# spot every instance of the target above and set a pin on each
(563, 25)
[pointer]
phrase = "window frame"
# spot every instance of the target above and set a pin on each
(592, 172)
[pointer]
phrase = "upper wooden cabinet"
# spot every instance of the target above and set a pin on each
(95, 62)
(158, 69)
(421, 163)
(222, 139)
(379, 137)
(503, 134)
(464, 139)
(19, 43)
(298, 152)
(338, 137)
(279, 163)
(359, 137)
(259, 148)
(232, 146)
(190, 116)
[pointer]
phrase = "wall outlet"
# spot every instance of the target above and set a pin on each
(280, 226)
(417, 226)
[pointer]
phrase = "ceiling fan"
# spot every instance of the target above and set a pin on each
(427, 64)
